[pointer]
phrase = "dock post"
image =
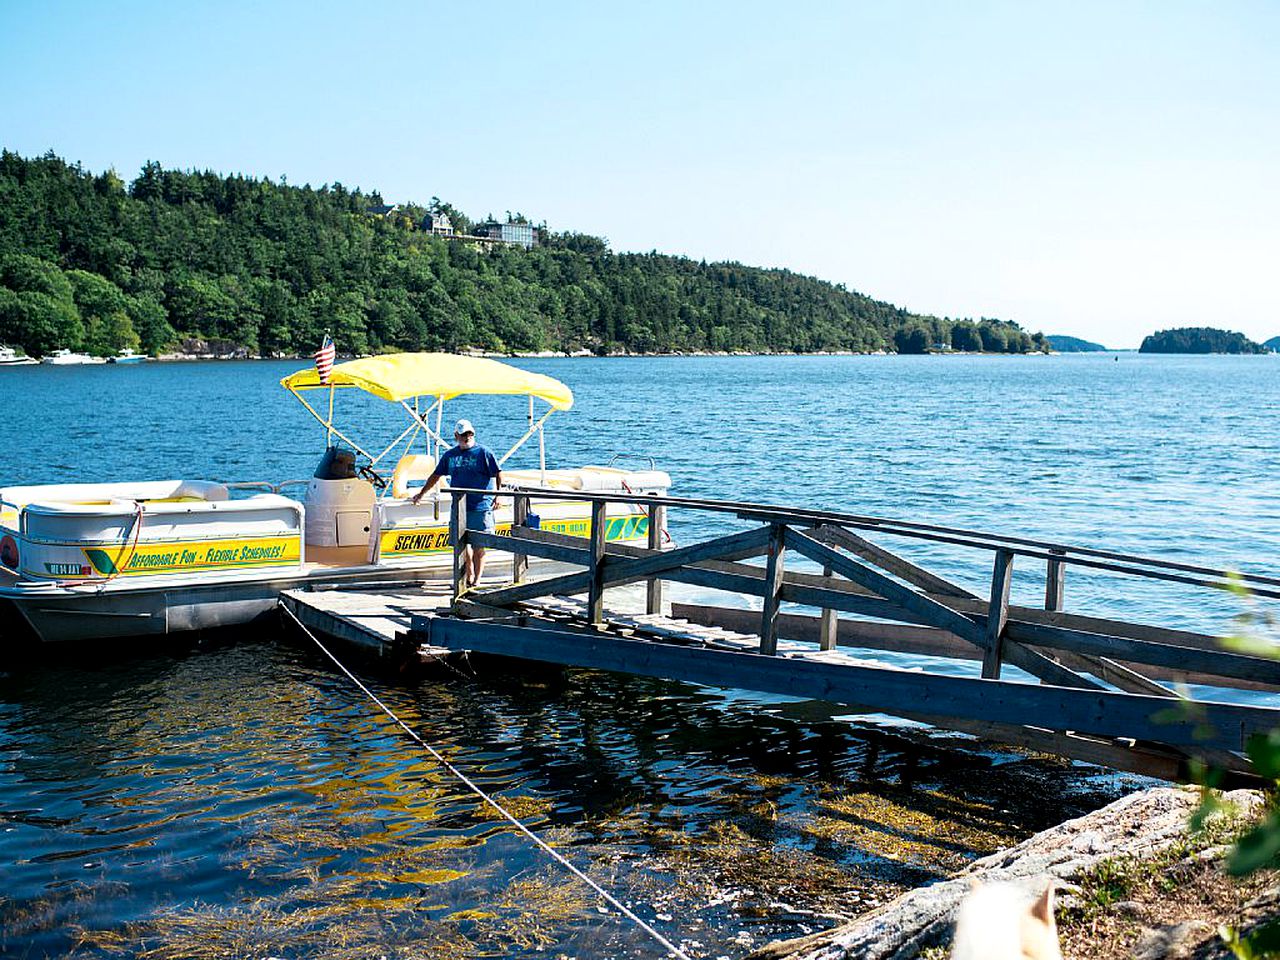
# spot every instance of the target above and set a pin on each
(828, 626)
(595, 592)
(772, 590)
(657, 523)
(997, 613)
(519, 513)
(1055, 581)
(458, 537)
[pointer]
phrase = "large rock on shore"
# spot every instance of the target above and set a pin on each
(1139, 825)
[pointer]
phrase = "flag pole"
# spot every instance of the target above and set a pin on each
(328, 442)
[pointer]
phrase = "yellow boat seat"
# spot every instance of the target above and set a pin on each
(410, 468)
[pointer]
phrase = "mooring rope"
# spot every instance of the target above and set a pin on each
(559, 858)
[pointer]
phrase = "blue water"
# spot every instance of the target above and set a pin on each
(167, 799)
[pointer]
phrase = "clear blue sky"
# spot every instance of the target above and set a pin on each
(1099, 169)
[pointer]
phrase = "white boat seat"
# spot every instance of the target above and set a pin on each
(410, 468)
(149, 490)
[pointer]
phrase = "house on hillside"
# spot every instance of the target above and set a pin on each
(438, 224)
(515, 233)
(381, 209)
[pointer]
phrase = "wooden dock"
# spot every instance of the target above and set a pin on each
(377, 620)
(1090, 688)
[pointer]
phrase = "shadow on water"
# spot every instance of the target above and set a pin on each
(245, 799)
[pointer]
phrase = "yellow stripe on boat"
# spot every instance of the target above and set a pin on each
(435, 539)
(176, 557)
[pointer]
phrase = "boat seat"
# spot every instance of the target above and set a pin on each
(150, 491)
(409, 468)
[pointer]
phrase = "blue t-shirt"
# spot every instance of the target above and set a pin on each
(475, 468)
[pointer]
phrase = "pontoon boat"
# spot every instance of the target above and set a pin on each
(102, 560)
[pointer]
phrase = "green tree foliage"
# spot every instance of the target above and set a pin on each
(1199, 340)
(273, 267)
(1065, 344)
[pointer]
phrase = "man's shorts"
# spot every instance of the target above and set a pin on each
(481, 520)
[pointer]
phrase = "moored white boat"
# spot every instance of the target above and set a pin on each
(65, 358)
(127, 356)
(11, 358)
(104, 560)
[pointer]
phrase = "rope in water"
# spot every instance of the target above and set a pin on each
(613, 901)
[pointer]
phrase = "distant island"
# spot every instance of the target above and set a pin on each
(1199, 340)
(1065, 344)
(1272, 344)
(201, 262)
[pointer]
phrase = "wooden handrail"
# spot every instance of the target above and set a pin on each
(1058, 553)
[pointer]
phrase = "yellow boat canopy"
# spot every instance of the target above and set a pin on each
(402, 376)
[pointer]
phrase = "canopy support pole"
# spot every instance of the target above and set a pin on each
(533, 428)
(328, 424)
(418, 421)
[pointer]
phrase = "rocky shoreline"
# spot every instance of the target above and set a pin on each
(1140, 828)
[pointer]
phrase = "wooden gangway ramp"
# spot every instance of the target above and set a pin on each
(818, 603)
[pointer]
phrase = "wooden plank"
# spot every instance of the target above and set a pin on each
(772, 589)
(595, 564)
(1208, 664)
(734, 546)
(618, 570)
(828, 633)
(1147, 759)
(872, 688)
(937, 612)
(924, 641)
(1116, 674)
(889, 561)
(578, 555)
(997, 613)
(1055, 581)
(870, 635)
(926, 609)
(458, 537)
(519, 515)
(1045, 668)
(657, 526)
(977, 609)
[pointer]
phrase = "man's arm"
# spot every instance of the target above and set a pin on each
(431, 482)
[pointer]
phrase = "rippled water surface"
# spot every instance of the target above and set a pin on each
(243, 799)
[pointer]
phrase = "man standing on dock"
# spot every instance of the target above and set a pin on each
(469, 465)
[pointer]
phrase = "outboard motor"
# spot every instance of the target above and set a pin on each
(339, 504)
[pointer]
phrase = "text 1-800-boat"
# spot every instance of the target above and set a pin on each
(87, 561)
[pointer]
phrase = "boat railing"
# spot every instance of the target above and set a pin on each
(653, 464)
(264, 485)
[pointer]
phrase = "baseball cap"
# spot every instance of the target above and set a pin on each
(463, 426)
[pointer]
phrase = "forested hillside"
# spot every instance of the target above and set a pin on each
(91, 262)
(1199, 340)
(1065, 344)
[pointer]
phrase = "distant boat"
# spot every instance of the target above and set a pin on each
(67, 358)
(10, 358)
(127, 356)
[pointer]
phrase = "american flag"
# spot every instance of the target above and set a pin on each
(324, 358)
